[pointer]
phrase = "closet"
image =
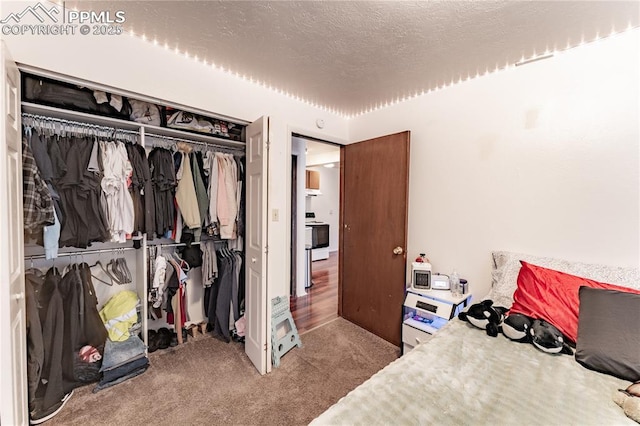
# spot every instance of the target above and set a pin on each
(119, 260)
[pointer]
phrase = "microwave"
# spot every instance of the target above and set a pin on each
(421, 276)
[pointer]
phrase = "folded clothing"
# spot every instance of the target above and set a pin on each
(133, 374)
(123, 370)
(120, 353)
(119, 314)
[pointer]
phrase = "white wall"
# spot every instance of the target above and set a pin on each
(298, 149)
(135, 65)
(542, 159)
(327, 206)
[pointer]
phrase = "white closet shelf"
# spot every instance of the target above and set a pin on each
(65, 114)
(24, 68)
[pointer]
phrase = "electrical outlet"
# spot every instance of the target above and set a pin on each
(275, 215)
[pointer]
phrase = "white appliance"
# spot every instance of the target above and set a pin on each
(319, 237)
(420, 276)
(440, 282)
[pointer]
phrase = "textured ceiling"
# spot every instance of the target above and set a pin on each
(353, 56)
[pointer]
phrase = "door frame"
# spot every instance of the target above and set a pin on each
(303, 132)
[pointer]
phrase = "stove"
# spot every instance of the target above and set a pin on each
(310, 219)
(319, 233)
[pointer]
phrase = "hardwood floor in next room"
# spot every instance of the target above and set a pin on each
(320, 304)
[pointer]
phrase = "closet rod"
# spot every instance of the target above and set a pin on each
(80, 253)
(195, 243)
(150, 138)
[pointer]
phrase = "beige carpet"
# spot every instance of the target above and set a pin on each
(207, 382)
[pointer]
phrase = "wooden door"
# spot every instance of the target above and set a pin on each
(256, 311)
(375, 189)
(13, 351)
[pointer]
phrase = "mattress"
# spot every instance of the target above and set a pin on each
(462, 376)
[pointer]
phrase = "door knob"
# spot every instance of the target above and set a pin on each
(398, 250)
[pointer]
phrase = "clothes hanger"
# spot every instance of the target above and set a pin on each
(32, 269)
(123, 270)
(113, 272)
(108, 269)
(98, 263)
(183, 264)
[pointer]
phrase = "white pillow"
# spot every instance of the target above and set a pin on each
(504, 277)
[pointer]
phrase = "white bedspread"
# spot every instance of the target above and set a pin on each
(464, 377)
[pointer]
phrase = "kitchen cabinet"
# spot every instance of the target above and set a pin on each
(312, 180)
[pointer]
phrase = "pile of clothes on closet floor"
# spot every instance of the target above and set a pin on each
(124, 352)
(70, 343)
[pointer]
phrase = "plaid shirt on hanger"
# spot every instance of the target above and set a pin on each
(38, 204)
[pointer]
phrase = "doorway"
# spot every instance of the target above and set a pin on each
(315, 207)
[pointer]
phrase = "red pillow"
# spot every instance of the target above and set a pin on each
(553, 296)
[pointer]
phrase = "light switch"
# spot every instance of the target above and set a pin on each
(275, 215)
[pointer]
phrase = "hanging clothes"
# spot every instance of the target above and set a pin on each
(175, 293)
(93, 332)
(70, 288)
(49, 161)
(186, 194)
(241, 196)
(80, 194)
(141, 190)
(201, 190)
(52, 319)
(164, 182)
(199, 158)
(223, 297)
(117, 170)
(211, 169)
(209, 262)
(35, 342)
(38, 210)
(39, 146)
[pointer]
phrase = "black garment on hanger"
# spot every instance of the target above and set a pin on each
(80, 193)
(71, 290)
(241, 208)
(35, 342)
(200, 159)
(218, 298)
(141, 190)
(164, 181)
(94, 332)
(52, 391)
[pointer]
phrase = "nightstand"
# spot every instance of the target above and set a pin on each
(425, 312)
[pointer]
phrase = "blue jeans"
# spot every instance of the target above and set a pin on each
(120, 353)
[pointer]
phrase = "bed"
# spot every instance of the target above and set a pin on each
(463, 376)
